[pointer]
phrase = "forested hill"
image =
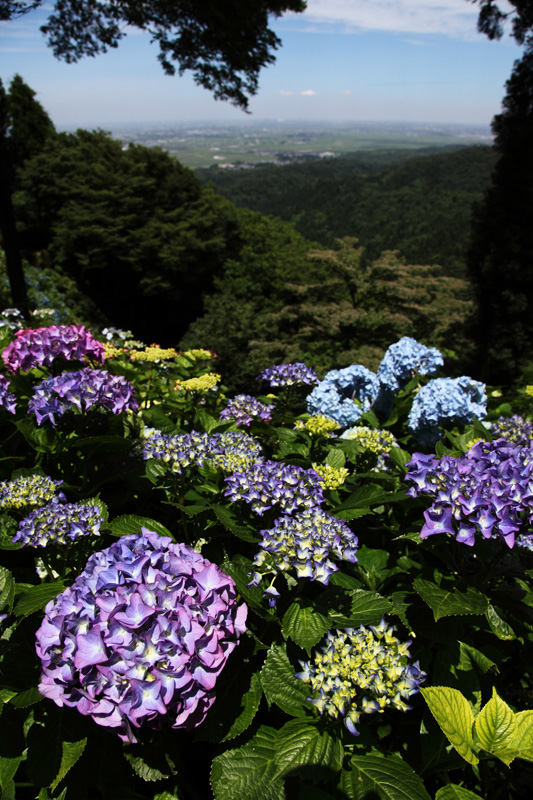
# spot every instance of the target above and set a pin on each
(417, 202)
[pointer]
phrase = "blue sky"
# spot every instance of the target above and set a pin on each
(358, 60)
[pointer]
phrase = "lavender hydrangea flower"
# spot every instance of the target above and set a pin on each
(344, 394)
(58, 523)
(446, 400)
(403, 360)
(289, 375)
(359, 672)
(487, 491)
(266, 484)
(81, 389)
(244, 408)
(306, 542)
(141, 636)
(229, 451)
(33, 490)
(41, 346)
(7, 399)
(515, 429)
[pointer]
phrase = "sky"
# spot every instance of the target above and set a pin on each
(419, 61)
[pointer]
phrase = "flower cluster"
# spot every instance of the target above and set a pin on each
(289, 375)
(153, 353)
(204, 383)
(457, 401)
(403, 360)
(265, 484)
(7, 399)
(199, 354)
(229, 451)
(332, 477)
(515, 429)
(41, 346)
(525, 540)
(141, 636)
(81, 389)
(244, 408)
(483, 491)
(344, 394)
(58, 523)
(361, 672)
(33, 490)
(374, 441)
(305, 542)
(317, 425)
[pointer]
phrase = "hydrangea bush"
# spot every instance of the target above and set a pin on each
(266, 597)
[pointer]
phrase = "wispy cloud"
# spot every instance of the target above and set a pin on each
(285, 93)
(308, 93)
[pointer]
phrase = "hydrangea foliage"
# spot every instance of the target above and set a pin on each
(289, 375)
(243, 409)
(34, 347)
(141, 636)
(82, 389)
(344, 394)
(229, 451)
(58, 523)
(266, 484)
(359, 672)
(31, 490)
(457, 401)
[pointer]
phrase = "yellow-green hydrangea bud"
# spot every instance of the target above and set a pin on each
(199, 354)
(204, 383)
(153, 353)
(370, 439)
(111, 352)
(318, 425)
(332, 477)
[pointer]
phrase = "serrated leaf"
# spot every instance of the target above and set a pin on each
(235, 706)
(155, 469)
(104, 511)
(280, 686)
(366, 608)
(43, 440)
(240, 571)
(301, 745)
(71, 752)
(454, 717)
(229, 521)
(399, 457)
(7, 589)
(336, 458)
(8, 529)
(385, 776)
(26, 698)
(523, 737)
(250, 771)
(495, 728)
(145, 770)
(470, 656)
(347, 514)
(37, 597)
(450, 603)
(8, 769)
(208, 422)
(454, 792)
(372, 557)
(131, 524)
(498, 626)
(304, 624)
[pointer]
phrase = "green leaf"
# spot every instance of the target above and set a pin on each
(7, 590)
(370, 557)
(240, 571)
(8, 769)
(155, 469)
(43, 440)
(454, 792)
(301, 745)
(280, 686)
(229, 521)
(71, 752)
(523, 737)
(304, 624)
(208, 422)
(232, 712)
(385, 776)
(366, 608)
(454, 717)
(336, 458)
(8, 529)
(470, 656)
(129, 524)
(399, 457)
(104, 511)
(250, 771)
(496, 728)
(449, 603)
(348, 514)
(26, 698)
(498, 626)
(37, 597)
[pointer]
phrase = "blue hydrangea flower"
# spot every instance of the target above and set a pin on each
(344, 394)
(405, 359)
(7, 399)
(35, 347)
(360, 672)
(81, 389)
(141, 636)
(289, 375)
(229, 451)
(457, 401)
(58, 523)
(244, 408)
(266, 484)
(33, 490)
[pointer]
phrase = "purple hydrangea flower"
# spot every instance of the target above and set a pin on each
(446, 400)
(244, 408)
(40, 346)
(7, 399)
(489, 491)
(141, 636)
(289, 375)
(33, 490)
(228, 451)
(81, 389)
(515, 429)
(344, 394)
(266, 484)
(58, 523)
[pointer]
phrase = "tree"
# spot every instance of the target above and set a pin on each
(224, 43)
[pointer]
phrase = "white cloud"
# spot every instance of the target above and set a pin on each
(455, 18)
(308, 93)
(284, 93)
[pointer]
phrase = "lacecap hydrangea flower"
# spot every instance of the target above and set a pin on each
(289, 375)
(243, 409)
(229, 451)
(360, 672)
(317, 425)
(141, 636)
(81, 389)
(457, 401)
(7, 399)
(31, 490)
(486, 491)
(306, 542)
(265, 484)
(344, 394)
(41, 346)
(515, 429)
(405, 359)
(58, 523)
